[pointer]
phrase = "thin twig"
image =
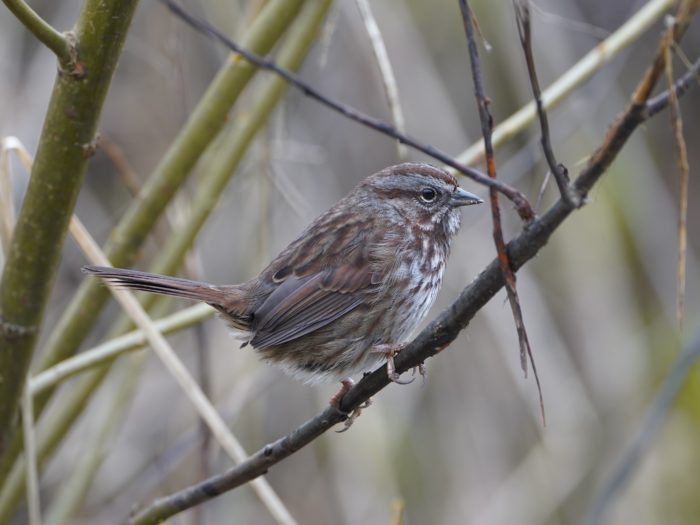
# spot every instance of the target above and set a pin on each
(33, 501)
(433, 339)
(683, 169)
(41, 29)
(574, 77)
(656, 69)
(558, 170)
(519, 200)
(543, 187)
(661, 101)
(387, 72)
(486, 127)
(110, 350)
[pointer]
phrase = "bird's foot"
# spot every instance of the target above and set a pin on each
(345, 386)
(390, 351)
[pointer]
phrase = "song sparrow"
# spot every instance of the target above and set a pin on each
(348, 292)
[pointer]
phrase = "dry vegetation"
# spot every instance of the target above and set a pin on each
(249, 167)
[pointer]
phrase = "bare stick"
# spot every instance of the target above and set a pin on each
(486, 127)
(561, 174)
(680, 86)
(114, 348)
(683, 169)
(387, 72)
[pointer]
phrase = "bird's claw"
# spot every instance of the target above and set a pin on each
(421, 372)
(395, 377)
(345, 386)
(353, 416)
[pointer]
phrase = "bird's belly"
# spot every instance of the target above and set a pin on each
(410, 308)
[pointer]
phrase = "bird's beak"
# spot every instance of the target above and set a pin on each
(461, 197)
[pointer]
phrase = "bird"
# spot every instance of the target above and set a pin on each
(346, 295)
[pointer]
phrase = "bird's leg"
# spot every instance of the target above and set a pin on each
(345, 386)
(390, 351)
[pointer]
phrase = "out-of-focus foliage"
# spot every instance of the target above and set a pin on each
(465, 446)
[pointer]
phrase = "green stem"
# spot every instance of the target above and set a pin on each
(42, 30)
(219, 171)
(35, 249)
(113, 348)
(206, 120)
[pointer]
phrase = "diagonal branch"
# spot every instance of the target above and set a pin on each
(680, 86)
(521, 203)
(486, 128)
(435, 337)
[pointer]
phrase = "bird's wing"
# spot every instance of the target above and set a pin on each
(301, 305)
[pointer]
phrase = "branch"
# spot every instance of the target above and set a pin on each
(680, 86)
(435, 337)
(35, 249)
(43, 31)
(521, 203)
(486, 119)
(683, 168)
(113, 348)
(561, 174)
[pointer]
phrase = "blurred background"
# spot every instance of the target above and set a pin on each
(466, 445)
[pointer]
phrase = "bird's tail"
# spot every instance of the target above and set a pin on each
(161, 284)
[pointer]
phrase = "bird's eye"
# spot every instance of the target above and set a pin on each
(428, 194)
